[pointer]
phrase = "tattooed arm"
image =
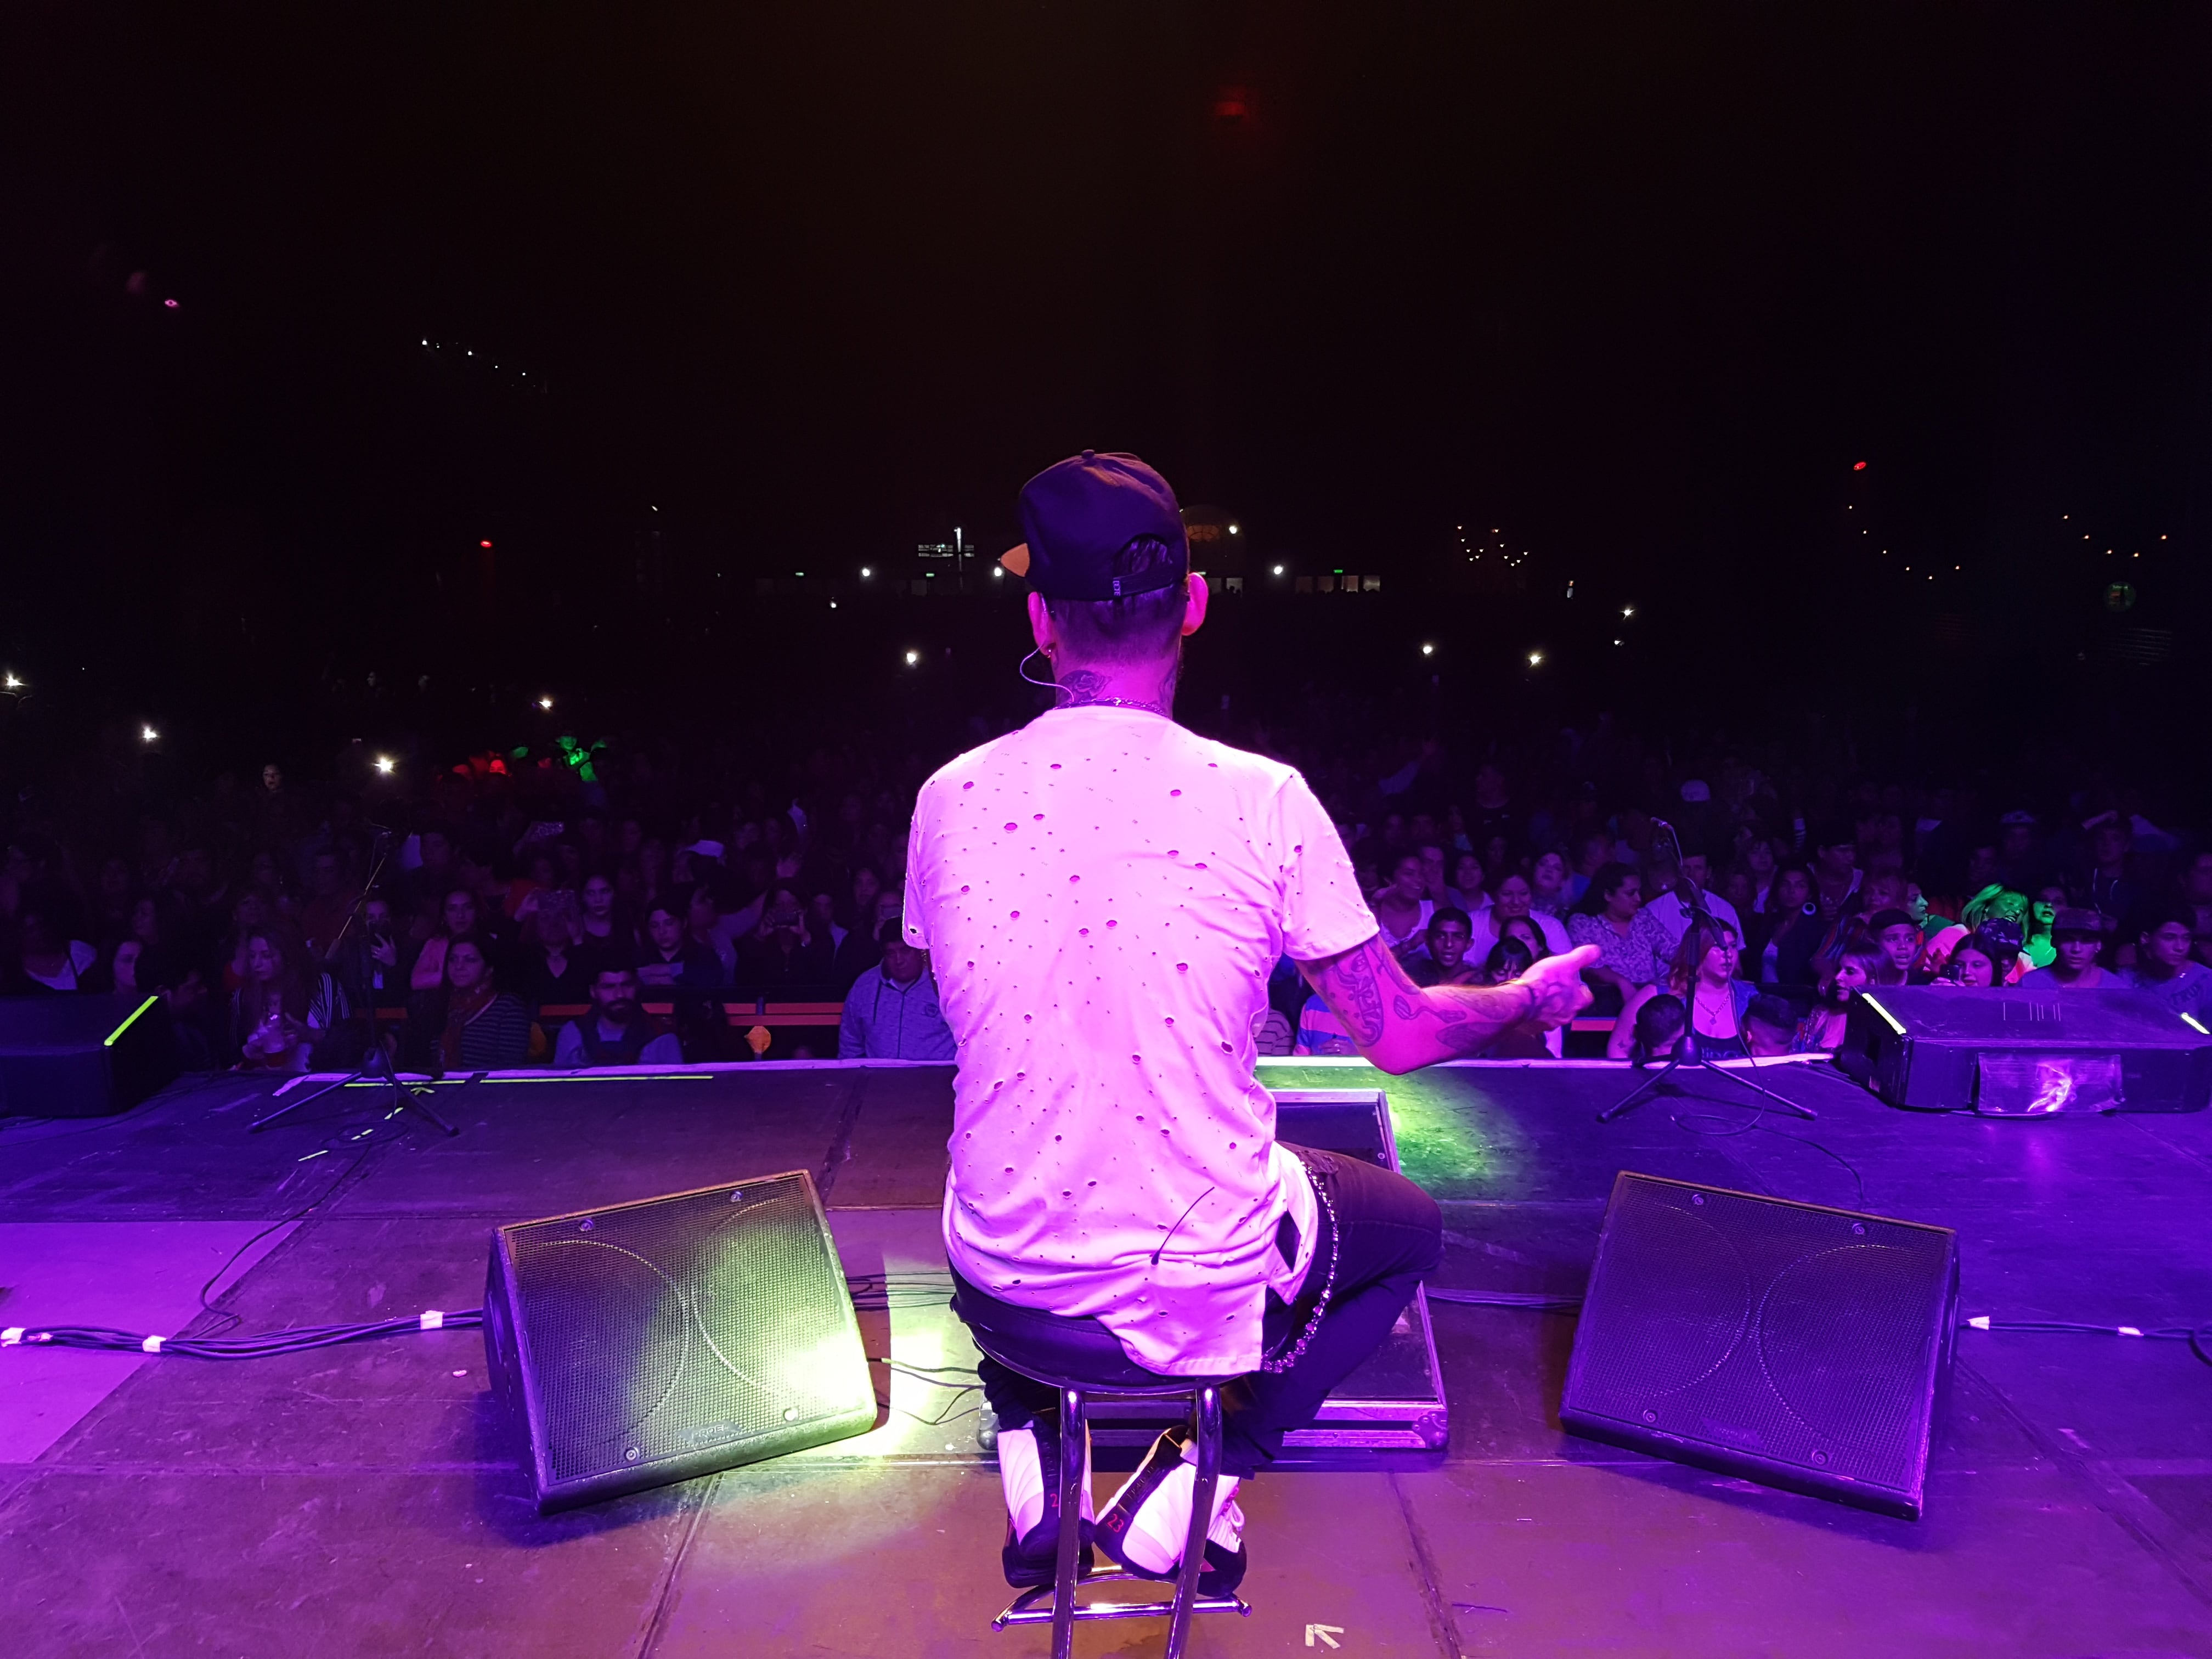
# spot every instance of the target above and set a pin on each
(1399, 1026)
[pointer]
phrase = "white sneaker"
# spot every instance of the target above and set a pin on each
(1145, 1527)
(1029, 1475)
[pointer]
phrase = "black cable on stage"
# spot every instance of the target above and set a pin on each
(306, 1338)
(301, 1340)
(2196, 1336)
(335, 1142)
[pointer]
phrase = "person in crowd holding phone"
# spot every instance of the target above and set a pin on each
(277, 1011)
(781, 950)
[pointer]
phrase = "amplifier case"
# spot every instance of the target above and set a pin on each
(83, 1056)
(1923, 1046)
(1795, 1345)
(651, 1342)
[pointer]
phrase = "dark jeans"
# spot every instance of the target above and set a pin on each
(1389, 1237)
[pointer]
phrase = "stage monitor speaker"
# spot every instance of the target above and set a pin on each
(83, 1056)
(655, 1341)
(1795, 1346)
(2015, 1053)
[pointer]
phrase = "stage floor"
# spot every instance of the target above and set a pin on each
(370, 1500)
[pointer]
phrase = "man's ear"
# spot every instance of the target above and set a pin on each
(1041, 628)
(1193, 615)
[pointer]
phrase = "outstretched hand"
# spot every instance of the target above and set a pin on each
(1558, 984)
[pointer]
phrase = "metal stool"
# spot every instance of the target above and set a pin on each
(1042, 1346)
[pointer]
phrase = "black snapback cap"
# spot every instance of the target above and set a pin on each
(1080, 512)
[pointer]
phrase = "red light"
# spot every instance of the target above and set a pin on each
(1857, 466)
(487, 543)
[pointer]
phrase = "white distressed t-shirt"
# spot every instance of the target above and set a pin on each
(1103, 894)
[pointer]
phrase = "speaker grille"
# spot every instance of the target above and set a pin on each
(711, 1325)
(1791, 1342)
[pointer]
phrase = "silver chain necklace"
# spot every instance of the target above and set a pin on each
(1117, 703)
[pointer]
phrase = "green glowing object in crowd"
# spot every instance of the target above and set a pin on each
(579, 758)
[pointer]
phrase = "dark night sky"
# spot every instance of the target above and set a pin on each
(1639, 281)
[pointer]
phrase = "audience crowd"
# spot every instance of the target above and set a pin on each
(512, 913)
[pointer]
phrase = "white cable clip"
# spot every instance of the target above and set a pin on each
(432, 1320)
(151, 1345)
(2127, 1330)
(1979, 1321)
(11, 1336)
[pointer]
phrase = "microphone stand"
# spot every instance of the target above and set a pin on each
(1687, 1050)
(377, 1064)
(378, 1068)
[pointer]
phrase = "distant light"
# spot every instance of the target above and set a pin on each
(169, 304)
(426, 342)
(1279, 570)
(799, 573)
(384, 765)
(1616, 642)
(148, 734)
(833, 604)
(998, 570)
(866, 573)
(1858, 467)
(1232, 528)
(1628, 611)
(545, 702)
(484, 544)
(912, 658)
(12, 683)
(1428, 651)
(1535, 657)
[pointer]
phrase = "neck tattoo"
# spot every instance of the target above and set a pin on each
(1081, 688)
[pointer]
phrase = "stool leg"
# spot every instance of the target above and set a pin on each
(1072, 1442)
(1208, 1412)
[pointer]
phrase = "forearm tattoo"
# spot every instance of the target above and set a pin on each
(1368, 989)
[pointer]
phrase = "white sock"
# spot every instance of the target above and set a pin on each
(1021, 1477)
(1159, 1528)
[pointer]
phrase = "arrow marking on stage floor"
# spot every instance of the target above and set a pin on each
(1329, 1633)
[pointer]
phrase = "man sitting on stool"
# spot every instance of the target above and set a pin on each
(616, 1031)
(1104, 895)
(892, 1012)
